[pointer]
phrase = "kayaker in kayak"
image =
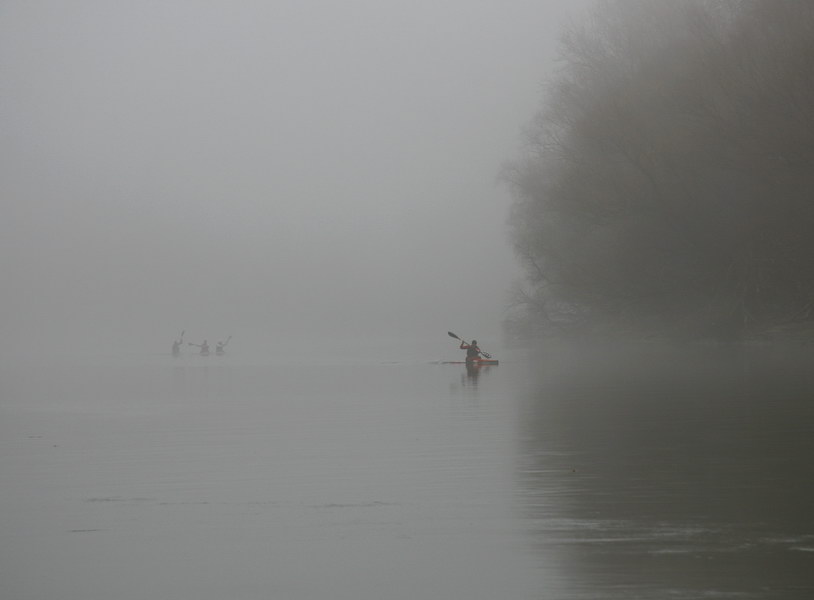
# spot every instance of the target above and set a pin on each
(472, 351)
(176, 345)
(204, 348)
(220, 347)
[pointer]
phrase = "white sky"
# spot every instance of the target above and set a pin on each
(268, 169)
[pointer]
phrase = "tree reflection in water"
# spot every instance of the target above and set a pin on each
(680, 473)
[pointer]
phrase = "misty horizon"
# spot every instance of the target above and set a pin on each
(263, 171)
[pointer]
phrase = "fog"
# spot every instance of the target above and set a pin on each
(273, 171)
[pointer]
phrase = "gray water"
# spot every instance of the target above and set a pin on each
(570, 473)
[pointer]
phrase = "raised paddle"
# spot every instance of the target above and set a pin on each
(450, 334)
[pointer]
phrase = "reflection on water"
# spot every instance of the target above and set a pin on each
(473, 373)
(660, 473)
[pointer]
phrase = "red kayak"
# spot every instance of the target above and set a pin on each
(479, 362)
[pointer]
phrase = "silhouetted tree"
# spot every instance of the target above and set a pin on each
(667, 182)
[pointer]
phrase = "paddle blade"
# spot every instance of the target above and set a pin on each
(450, 334)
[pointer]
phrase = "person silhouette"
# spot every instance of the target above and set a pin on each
(176, 345)
(204, 348)
(472, 351)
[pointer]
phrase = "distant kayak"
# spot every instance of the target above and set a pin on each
(481, 362)
(475, 357)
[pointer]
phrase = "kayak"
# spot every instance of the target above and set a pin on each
(481, 362)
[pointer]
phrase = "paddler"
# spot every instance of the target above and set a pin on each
(204, 348)
(176, 345)
(472, 351)
(220, 347)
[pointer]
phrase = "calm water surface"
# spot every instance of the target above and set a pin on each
(672, 473)
(570, 473)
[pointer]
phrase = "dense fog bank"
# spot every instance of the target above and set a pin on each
(282, 172)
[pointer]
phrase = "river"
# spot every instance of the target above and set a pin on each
(574, 472)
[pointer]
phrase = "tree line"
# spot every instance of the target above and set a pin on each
(666, 185)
